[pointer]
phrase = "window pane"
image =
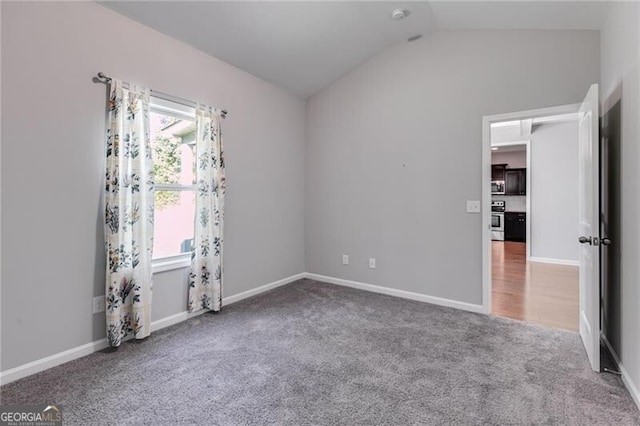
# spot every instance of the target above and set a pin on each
(173, 223)
(173, 148)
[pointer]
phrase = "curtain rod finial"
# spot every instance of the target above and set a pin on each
(104, 77)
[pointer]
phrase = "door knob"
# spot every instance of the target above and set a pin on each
(584, 240)
(606, 241)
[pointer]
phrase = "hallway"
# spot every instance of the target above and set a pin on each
(539, 293)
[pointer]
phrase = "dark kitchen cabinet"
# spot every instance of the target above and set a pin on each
(515, 181)
(497, 171)
(515, 227)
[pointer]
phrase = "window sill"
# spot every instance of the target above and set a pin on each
(170, 263)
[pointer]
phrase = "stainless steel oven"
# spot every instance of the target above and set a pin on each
(497, 220)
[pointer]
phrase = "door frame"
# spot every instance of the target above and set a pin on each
(487, 120)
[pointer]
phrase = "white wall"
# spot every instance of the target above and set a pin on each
(394, 150)
(620, 92)
(554, 191)
(52, 168)
(508, 133)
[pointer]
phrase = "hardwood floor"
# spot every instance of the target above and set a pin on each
(535, 292)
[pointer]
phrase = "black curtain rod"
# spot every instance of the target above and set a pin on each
(106, 79)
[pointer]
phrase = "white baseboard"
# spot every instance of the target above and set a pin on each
(398, 293)
(174, 319)
(54, 360)
(185, 315)
(245, 294)
(626, 379)
(554, 261)
(51, 361)
(631, 387)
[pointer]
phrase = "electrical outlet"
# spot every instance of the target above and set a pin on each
(98, 304)
(345, 259)
(372, 263)
(473, 206)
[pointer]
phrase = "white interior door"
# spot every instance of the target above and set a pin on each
(589, 196)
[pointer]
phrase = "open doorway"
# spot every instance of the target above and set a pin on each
(533, 201)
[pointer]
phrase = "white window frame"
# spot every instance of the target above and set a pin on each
(166, 107)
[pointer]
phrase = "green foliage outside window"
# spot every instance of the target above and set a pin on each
(166, 167)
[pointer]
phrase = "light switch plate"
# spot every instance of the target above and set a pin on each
(473, 206)
(345, 259)
(98, 304)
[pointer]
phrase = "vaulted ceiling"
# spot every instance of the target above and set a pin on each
(302, 46)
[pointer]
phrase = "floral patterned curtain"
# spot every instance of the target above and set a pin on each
(205, 278)
(128, 214)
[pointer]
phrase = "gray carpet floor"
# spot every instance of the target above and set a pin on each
(311, 353)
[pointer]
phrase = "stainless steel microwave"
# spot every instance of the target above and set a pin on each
(497, 187)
